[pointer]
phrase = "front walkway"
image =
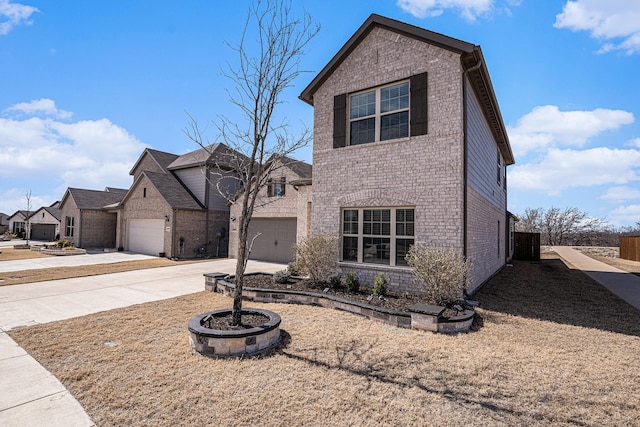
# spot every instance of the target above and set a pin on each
(30, 394)
(625, 285)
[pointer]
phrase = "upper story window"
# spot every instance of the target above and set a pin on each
(391, 111)
(276, 187)
(380, 114)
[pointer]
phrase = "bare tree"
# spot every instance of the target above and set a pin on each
(27, 229)
(268, 55)
(562, 227)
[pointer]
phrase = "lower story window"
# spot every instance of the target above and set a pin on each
(377, 236)
(19, 227)
(69, 226)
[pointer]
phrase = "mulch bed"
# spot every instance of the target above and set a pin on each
(392, 301)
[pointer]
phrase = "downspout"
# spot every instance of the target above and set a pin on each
(207, 183)
(464, 153)
(173, 234)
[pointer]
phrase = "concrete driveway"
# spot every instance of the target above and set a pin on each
(29, 394)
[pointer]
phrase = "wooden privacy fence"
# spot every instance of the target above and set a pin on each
(527, 246)
(630, 248)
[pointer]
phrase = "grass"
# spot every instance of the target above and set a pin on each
(43, 274)
(550, 347)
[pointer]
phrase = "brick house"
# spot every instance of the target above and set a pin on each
(44, 223)
(17, 223)
(174, 207)
(87, 217)
(282, 213)
(409, 147)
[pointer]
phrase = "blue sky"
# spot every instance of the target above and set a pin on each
(86, 85)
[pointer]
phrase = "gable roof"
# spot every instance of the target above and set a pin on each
(22, 213)
(215, 154)
(471, 59)
(54, 212)
(300, 168)
(162, 158)
(95, 199)
(172, 191)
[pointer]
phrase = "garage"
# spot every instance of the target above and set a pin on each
(276, 240)
(146, 236)
(45, 232)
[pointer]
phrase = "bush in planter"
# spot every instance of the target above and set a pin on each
(317, 256)
(281, 276)
(442, 273)
(335, 281)
(353, 282)
(381, 284)
(292, 270)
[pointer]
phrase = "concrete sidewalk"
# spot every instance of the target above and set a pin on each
(91, 258)
(625, 285)
(29, 394)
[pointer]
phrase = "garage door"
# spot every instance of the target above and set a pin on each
(276, 240)
(146, 236)
(44, 232)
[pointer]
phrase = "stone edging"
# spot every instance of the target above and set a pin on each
(234, 343)
(63, 252)
(215, 282)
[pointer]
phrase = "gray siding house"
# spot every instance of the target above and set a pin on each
(174, 207)
(409, 147)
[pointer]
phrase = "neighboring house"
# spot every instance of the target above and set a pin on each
(282, 214)
(18, 223)
(45, 223)
(88, 218)
(4, 223)
(174, 207)
(409, 147)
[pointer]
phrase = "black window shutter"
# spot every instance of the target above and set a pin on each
(340, 120)
(419, 110)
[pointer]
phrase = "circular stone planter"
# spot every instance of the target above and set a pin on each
(63, 252)
(234, 343)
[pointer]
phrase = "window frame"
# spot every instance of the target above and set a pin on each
(346, 228)
(378, 115)
(69, 226)
(277, 184)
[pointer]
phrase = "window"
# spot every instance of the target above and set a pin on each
(69, 226)
(392, 111)
(144, 192)
(276, 187)
(499, 168)
(19, 227)
(379, 115)
(377, 236)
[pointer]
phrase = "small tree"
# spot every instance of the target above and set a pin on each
(265, 69)
(317, 256)
(27, 229)
(442, 273)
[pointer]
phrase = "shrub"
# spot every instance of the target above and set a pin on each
(442, 273)
(353, 282)
(380, 284)
(335, 281)
(281, 276)
(63, 243)
(291, 268)
(317, 256)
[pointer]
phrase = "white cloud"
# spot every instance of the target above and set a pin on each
(14, 14)
(633, 143)
(614, 21)
(87, 154)
(546, 127)
(625, 214)
(45, 106)
(469, 9)
(562, 169)
(621, 194)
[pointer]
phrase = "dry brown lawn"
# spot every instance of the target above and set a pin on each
(43, 274)
(550, 347)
